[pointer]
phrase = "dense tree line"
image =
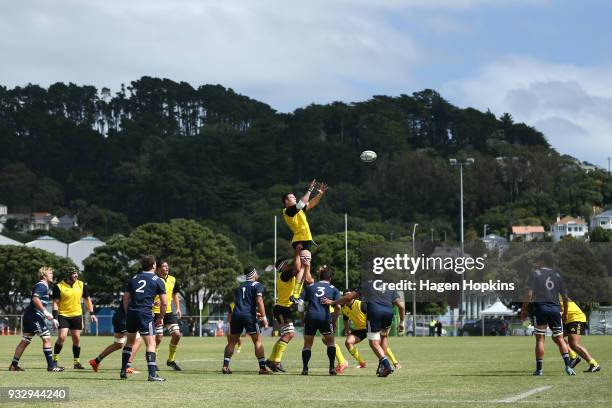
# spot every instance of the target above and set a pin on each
(158, 150)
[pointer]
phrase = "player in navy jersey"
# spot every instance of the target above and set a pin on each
(248, 302)
(120, 337)
(319, 318)
(34, 322)
(544, 288)
(378, 306)
(138, 300)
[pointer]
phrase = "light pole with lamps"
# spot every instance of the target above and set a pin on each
(414, 291)
(465, 162)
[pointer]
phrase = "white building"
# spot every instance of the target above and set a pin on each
(527, 233)
(81, 249)
(50, 244)
(494, 241)
(602, 220)
(569, 226)
(8, 241)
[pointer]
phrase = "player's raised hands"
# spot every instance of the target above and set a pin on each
(326, 301)
(323, 188)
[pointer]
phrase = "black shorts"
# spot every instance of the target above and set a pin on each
(360, 334)
(240, 323)
(169, 318)
(119, 323)
(549, 316)
(575, 328)
(34, 323)
(379, 320)
(140, 322)
(72, 323)
(282, 314)
(305, 244)
(324, 327)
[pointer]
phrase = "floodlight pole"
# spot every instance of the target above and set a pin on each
(346, 270)
(414, 290)
(274, 260)
(461, 163)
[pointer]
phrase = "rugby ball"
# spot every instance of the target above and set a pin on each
(368, 156)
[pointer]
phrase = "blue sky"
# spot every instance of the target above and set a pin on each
(546, 62)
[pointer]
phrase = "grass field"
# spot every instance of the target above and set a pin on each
(437, 372)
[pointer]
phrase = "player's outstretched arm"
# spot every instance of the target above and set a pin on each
(315, 201)
(90, 308)
(303, 203)
(348, 296)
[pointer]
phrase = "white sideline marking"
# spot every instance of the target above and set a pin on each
(525, 394)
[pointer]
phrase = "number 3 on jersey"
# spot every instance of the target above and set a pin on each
(320, 292)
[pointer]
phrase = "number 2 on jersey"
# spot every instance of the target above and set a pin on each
(141, 287)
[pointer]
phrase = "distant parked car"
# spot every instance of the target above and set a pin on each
(492, 327)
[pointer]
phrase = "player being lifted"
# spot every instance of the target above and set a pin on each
(67, 309)
(283, 308)
(574, 324)
(545, 285)
(319, 318)
(140, 291)
(248, 301)
(171, 321)
(353, 313)
(120, 337)
(294, 214)
(34, 322)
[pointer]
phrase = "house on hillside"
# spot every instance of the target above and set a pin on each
(35, 221)
(569, 226)
(602, 220)
(67, 222)
(527, 233)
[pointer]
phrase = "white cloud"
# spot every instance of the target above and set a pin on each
(571, 105)
(285, 53)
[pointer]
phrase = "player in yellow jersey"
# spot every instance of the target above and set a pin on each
(283, 308)
(67, 309)
(171, 320)
(352, 312)
(294, 214)
(574, 325)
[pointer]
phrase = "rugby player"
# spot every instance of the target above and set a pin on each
(574, 325)
(171, 321)
(248, 301)
(140, 291)
(283, 308)
(352, 313)
(379, 312)
(544, 288)
(34, 322)
(294, 214)
(318, 318)
(67, 309)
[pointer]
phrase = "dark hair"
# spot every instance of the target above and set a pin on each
(326, 273)
(546, 258)
(284, 197)
(161, 262)
(147, 262)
